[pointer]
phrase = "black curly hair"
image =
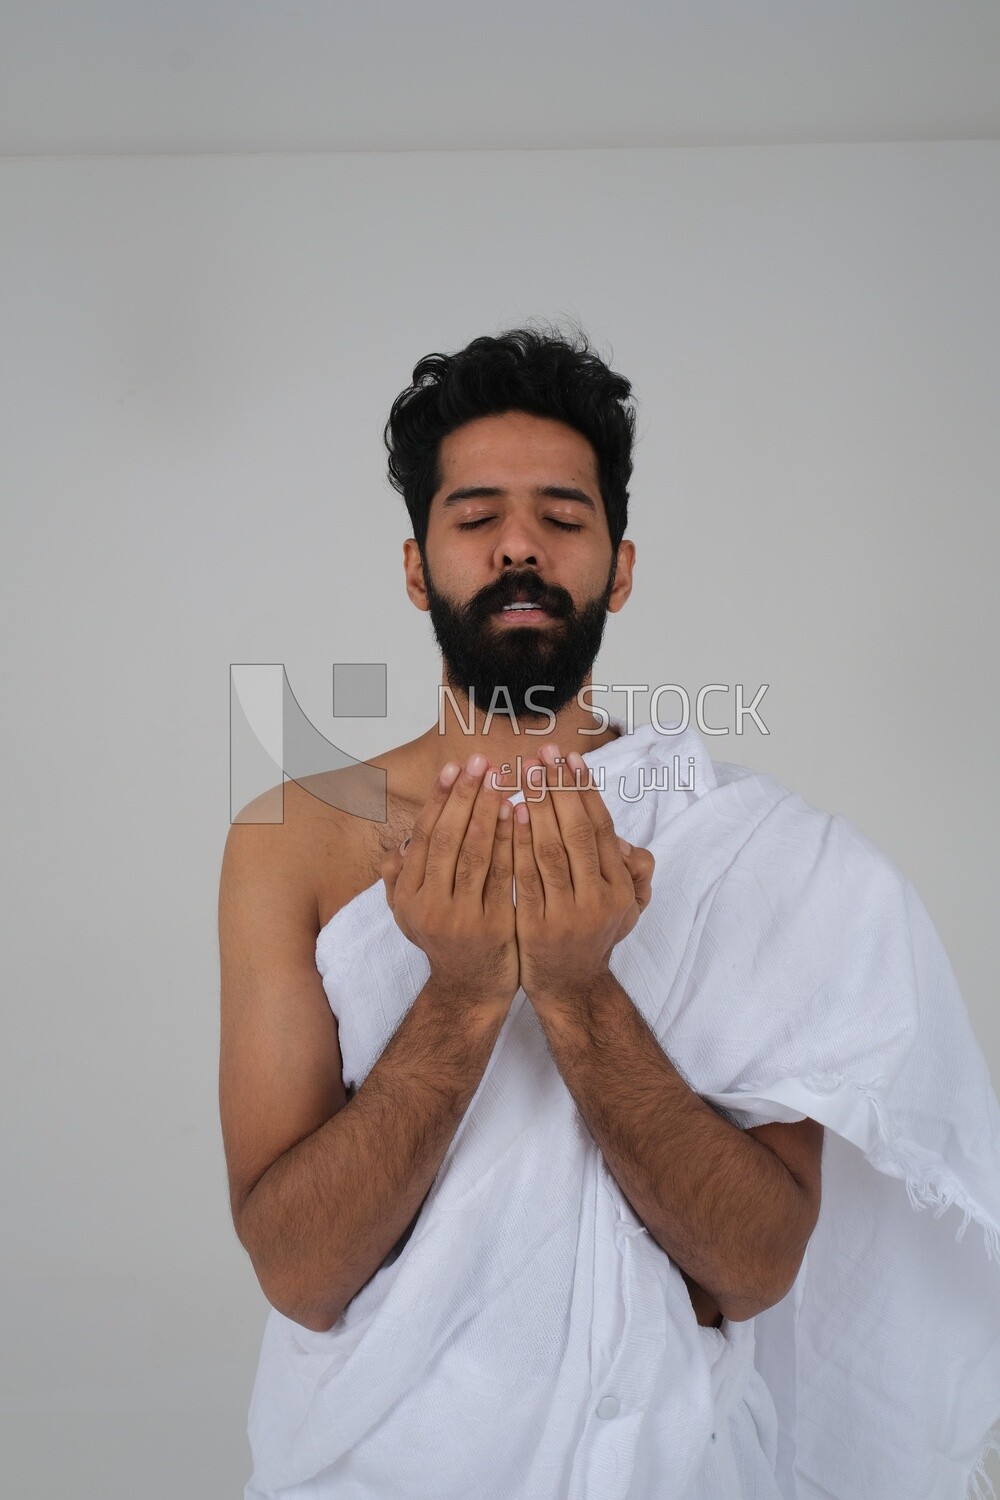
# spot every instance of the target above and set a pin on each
(522, 369)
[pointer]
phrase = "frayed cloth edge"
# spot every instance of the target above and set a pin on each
(932, 1188)
(939, 1191)
(980, 1483)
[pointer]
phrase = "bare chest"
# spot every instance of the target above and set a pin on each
(350, 852)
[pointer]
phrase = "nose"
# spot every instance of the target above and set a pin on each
(519, 544)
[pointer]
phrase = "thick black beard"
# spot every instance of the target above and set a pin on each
(482, 657)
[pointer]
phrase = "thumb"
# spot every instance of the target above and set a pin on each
(391, 867)
(640, 864)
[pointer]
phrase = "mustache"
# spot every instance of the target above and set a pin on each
(529, 587)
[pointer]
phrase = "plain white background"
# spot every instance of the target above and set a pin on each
(199, 355)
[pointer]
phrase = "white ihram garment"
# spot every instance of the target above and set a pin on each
(532, 1341)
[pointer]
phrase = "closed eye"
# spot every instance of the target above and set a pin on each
(563, 525)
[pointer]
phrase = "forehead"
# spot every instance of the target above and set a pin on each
(515, 448)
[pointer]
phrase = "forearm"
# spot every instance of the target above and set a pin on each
(722, 1206)
(325, 1215)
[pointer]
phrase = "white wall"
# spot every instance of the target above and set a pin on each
(199, 355)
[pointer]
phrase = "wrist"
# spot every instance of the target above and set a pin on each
(573, 992)
(458, 997)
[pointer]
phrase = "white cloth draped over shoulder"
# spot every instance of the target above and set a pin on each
(532, 1341)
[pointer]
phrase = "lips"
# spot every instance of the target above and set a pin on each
(523, 593)
(534, 618)
(520, 597)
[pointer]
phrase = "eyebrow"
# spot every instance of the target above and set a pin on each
(549, 491)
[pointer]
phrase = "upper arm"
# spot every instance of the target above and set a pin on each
(280, 1068)
(799, 1146)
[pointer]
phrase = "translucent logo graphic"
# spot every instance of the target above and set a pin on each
(272, 740)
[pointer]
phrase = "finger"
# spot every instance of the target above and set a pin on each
(640, 864)
(498, 885)
(608, 848)
(476, 853)
(573, 824)
(391, 866)
(447, 837)
(551, 855)
(530, 889)
(426, 821)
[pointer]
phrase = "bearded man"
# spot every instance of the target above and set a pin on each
(577, 1137)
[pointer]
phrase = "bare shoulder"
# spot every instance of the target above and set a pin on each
(350, 818)
(329, 832)
(317, 822)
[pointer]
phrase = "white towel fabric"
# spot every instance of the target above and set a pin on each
(532, 1341)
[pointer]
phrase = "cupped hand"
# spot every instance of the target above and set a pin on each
(451, 893)
(579, 892)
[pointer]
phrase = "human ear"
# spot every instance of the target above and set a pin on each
(413, 571)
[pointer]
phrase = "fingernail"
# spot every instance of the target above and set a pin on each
(624, 845)
(402, 847)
